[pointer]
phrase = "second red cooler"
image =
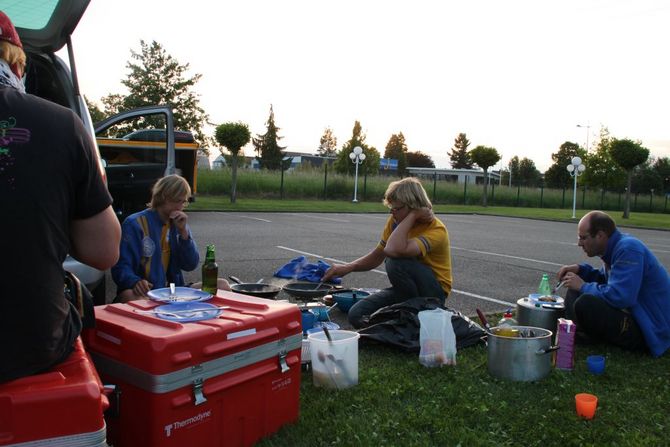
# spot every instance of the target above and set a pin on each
(225, 381)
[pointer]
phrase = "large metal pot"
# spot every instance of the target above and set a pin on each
(530, 311)
(523, 359)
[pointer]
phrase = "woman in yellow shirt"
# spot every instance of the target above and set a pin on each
(415, 248)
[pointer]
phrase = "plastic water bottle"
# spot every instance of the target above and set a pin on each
(545, 288)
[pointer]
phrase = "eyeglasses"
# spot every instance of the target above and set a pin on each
(584, 237)
(183, 203)
(396, 208)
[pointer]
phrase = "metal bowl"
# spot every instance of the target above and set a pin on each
(306, 291)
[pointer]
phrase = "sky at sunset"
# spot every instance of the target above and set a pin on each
(514, 75)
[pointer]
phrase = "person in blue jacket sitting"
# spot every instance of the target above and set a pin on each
(156, 243)
(627, 301)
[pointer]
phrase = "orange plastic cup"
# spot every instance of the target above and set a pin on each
(586, 405)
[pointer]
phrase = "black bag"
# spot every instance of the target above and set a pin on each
(398, 325)
(82, 300)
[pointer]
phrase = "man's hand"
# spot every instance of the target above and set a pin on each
(572, 281)
(179, 220)
(574, 268)
(142, 287)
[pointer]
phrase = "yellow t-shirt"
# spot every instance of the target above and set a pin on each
(433, 241)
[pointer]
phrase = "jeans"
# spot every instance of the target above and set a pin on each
(409, 278)
(602, 322)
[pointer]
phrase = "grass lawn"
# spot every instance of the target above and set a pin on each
(398, 402)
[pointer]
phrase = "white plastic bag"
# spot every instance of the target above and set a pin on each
(437, 338)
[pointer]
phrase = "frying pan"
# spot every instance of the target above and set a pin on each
(306, 291)
(254, 289)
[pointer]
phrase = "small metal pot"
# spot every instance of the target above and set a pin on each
(531, 312)
(521, 359)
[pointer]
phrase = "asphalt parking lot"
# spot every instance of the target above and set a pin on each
(496, 260)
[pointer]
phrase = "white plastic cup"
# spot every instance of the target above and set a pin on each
(334, 363)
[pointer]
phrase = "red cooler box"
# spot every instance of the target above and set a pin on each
(59, 408)
(225, 381)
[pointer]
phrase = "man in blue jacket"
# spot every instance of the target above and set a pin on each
(627, 301)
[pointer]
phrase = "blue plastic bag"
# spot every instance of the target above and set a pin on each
(299, 269)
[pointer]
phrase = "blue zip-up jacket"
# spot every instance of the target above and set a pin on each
(129, 269)
(633, 279)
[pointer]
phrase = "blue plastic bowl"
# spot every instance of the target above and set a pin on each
(347, 298)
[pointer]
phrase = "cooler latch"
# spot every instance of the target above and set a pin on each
(281, 347)
(197, 392)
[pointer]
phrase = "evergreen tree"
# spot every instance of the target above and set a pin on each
(269, 153)
(528, 173)
(158, 78)
(459, 156)
(343, 164)
(513, 168)
(327, 144)
(396, 148)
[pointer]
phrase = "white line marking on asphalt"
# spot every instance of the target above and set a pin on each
(256, 218)
(473, 295)
(319, 217)
(505, 256)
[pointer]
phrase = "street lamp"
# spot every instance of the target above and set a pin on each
(587, 127)
(357, 157)
(575, 168)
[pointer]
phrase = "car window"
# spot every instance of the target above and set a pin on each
(30, 15)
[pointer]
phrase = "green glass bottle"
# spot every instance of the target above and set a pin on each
(545, 288)
(210, 271)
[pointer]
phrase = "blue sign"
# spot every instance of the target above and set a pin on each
(389, 164)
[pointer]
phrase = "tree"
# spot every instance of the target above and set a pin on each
(528, 173)
(557, 176)
(267, 147)
(327, 144)
(419, 160)
(646, 178)
(513, 168)
(96, 113)
(396, 148)
(232, 136)
(158, 78)
(459, 156)
(484, 157)
(343, 164)
(662, 167)
(628, 154)
(601, 170)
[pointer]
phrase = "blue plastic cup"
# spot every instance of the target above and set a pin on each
(308, 319)
(596, 364)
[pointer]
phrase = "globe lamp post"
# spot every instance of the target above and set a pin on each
(575, 168)
(357, 157)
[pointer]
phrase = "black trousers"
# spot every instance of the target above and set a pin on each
(601, 322)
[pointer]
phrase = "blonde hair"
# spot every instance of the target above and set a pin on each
(13, 55)
(408, 191)
(171, 188)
